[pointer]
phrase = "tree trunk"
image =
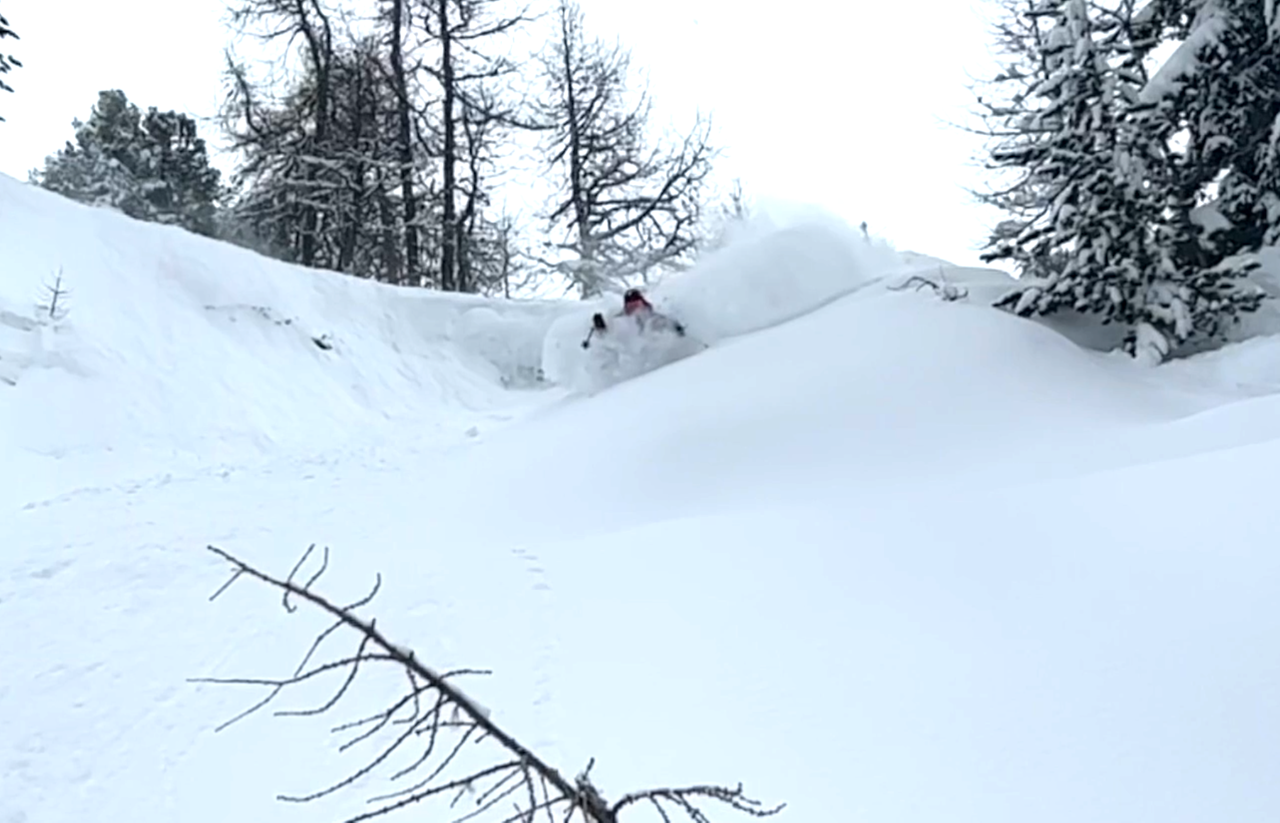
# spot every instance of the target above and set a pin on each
(353, 219)
(405, 139)
(449, 219)
(581, 213)
(321, 58)
(569, 38)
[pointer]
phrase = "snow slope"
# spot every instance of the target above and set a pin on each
(194, 351)
(882, 556)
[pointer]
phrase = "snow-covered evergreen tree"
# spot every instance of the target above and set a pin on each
(153, 167)
(1114, 167)
(1241, 127)
(1008, 103)
(1090, 249)
(1208, 111)
(97, 168)
(179, 184)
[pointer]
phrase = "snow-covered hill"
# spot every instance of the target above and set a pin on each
(880, 555)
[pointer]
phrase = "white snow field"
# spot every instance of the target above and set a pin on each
(885, 557)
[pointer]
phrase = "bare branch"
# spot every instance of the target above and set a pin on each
(436, 711)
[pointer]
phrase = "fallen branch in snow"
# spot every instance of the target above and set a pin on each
(435, 714)
(947, 291)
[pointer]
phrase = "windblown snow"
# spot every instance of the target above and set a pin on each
(884, 556)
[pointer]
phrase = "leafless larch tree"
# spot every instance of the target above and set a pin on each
(419, 736)
(625, 206)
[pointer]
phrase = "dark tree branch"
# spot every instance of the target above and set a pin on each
(435, 711)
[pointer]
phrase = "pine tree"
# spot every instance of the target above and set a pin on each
(7, 61)
(1092, 248)
(98, 168)
(1008, 104)
(1242, 128)
(180, 185)
(1209, 110)
(1115, 168)
(153, 167)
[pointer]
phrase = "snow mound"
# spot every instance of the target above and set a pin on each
(880, 391)
(183, 346)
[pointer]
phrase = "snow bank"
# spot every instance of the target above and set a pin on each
(985, 286)
(1247, 367)
(884, 390)
(508, 338)
(178, 345)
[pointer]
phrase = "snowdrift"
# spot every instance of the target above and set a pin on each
(1088, 332)
(879, 394)
(190, 349)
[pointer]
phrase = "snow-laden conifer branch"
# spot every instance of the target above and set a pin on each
(423, 734)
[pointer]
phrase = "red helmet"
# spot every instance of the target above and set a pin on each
(634, 301)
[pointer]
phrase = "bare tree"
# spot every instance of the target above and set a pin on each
(309, 22)
(468, 110)
(360, 224)
(624, 208)
(430, 723)
(352, 183)
(485, 241)
(397, 13)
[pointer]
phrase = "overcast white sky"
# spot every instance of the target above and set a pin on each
(832, 103)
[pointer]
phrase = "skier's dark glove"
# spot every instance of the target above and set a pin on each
(597, 320)
(679, 329)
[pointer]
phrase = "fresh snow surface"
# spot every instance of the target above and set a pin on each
(886, 557)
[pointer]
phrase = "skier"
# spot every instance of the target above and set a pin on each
(635, 306)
